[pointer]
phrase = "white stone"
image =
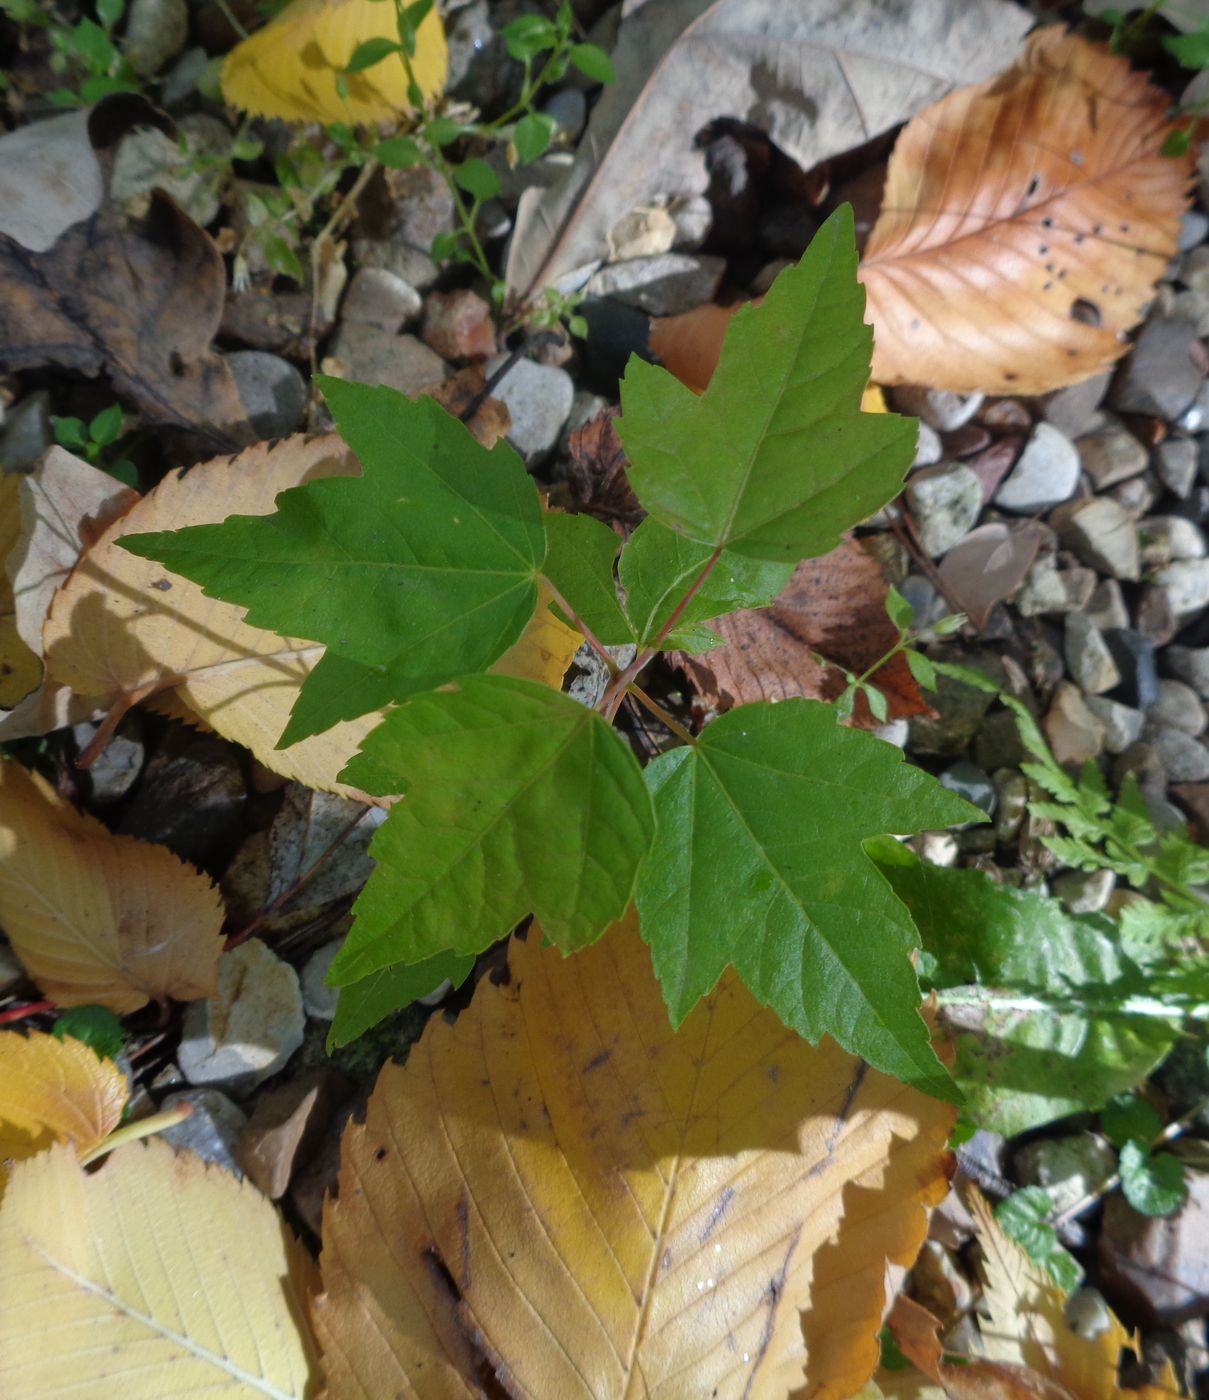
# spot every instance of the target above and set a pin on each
(1190, 664)
(1088, 659)
(538, 398)
(939, 408)
(1179, 707)
(250, 1028)
(1163, 538)
(945, 503)
(378, 297)
(1186, 582)
(1068, 1167)
(1123, 724)
(318, 998)
(1102, 534)
(1046, 473)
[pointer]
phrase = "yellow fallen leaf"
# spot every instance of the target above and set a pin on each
(61, 506)
(1024, 224)
(20, 669)
(289, 68)
(96, 917)
(54, 1090)
(157, 1276)
(584, 1203)
(1027, 1327)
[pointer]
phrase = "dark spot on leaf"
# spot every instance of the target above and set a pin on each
(379, 1154)
(1086, 312)
(1033, 186)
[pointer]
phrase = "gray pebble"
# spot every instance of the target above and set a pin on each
(539, 399)
(1046, 472)
(1190, 664)
(317, 997)
(1084, 891)
(156, 31)
(1186, 582)
(1106, 606)
(1178, 707)
(377, 297)
(1111, 456)
(1050, 590)
(1088, 658)
(1184, 759)
(945, 501)
(666, 285)
(211, 1130)
(26, 433)
(372, 355)
(1102, 534)
(1160, 375)
(272, 391)
(1076, 409)
(928, 447)
(939, 408)
(1175, 464)
(969, 781)
(1123, 724)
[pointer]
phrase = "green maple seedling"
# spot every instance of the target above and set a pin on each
(742, 846)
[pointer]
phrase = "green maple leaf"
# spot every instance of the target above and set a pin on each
(364, 1003)
(423, 569)
(659, 566)
(579, 563)
(517, 801)
(758, 862)
(775, 460)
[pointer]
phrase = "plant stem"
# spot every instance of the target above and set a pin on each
(343, 212)
(616, 688)
(667, 720)
(589, 636)
(20, 1013)
(1150, 1007)
(291, 890)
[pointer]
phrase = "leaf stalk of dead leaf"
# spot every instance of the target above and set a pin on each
(904, 530)
(617, 687)
(291, 890)
(21, 1013)
(669, 721)
(121, 708)
(589, 636)
(132, 1132)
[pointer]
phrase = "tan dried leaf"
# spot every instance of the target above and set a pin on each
(159, 1275)
(1024, 224)
(585, 1203)
(96, 917)
(20, 669)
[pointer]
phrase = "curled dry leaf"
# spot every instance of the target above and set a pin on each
(289, 68)
(96, 917)
(55, 1090)
(157, 1275)
(835, 606)
(817, 78)
(579, 1197)
(1025, 1349)
(1024, 224)
(140, 305)
(58, 509)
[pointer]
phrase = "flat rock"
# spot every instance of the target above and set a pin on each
(1179, 707)
(1102, 534)
(945, 502)
(372, 355)
(156, 31)
(939, 408)
(1134, 655)
(1165, 538)
(211, 1130)
(1186, 582)
(1123, 724)
(1050, 590)
(378, 297)
(1112, 456)
(1046, 473)
(1106, 606)
(1184, 759)
(1162, 373)
(1074, 733)
(1190, 664)
(538, 398)
(1088, 658)
(272, 391)
(1175, 464)
(1075, 410)
(1159, 1265)
(249, 1030)
(665, 285)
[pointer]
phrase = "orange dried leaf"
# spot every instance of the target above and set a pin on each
(55, 1091)
(586, 1203)
(1024, 224)
(96, 917)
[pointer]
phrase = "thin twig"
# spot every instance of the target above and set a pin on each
(20, 1013)
(343, 212)
(291, 890)
(662, 715)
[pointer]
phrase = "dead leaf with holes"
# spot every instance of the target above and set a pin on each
(1024, 224)
(158, 1275)
(141, 305)
(53, 513)
(579, 1198)
(1024, 1348)
(833, 607)
(95, 917)
(54, 1090)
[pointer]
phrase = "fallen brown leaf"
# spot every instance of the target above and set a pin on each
(817, 78)
(581, 1200)
(99, 918)
(140, 305)
(285, 1128)
(1024, 224)
(835, 606)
